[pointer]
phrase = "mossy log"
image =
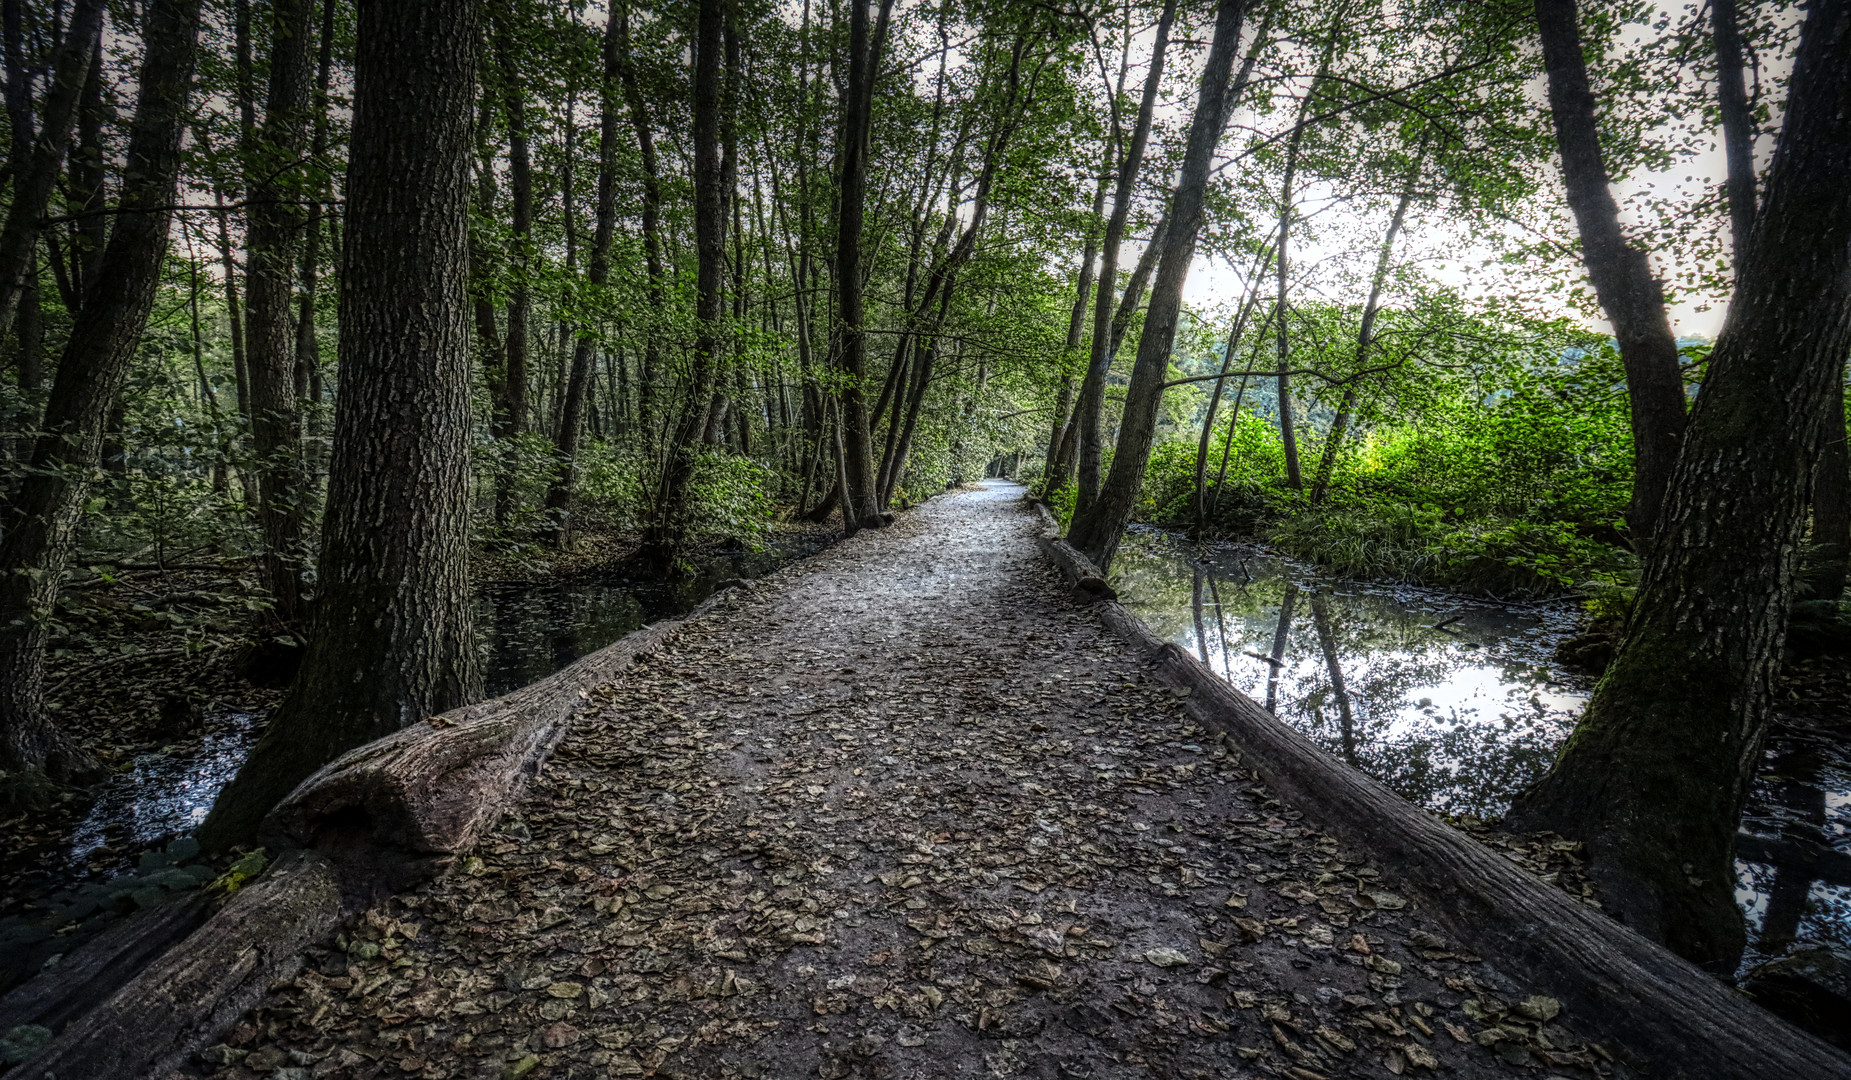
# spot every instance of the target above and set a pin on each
(1649, 1004)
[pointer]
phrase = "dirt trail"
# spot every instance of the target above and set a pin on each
(903, 810)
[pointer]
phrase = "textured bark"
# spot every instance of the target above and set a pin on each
(272, 175)
(1654, 776)
(90, 974)
(308, 350)
(1091, 406)
(393, 639)
(35, 172)
(1631, 296)
(434, 787)
(180, 1003)
(41, 521)
(597, 273)
(1097, 529)
(1629, 991)
(1831, 504)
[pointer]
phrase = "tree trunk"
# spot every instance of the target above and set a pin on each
(513, 407)
(393, 639)
(651, 216)
(308, 350)
(1365, 334)
(35, 174)
(1738, 124)
(1099, 364)
(1199, 497)
(1831, 504)
(1654, 776)
(597, 274)
(668, 529)
(861, 494)
(1060, 448)
(272, 183)
(1098, 530)
(41, 521)
(1632, 298)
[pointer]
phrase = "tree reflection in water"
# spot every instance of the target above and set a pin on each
(1458, 720)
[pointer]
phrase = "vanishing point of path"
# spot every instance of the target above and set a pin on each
(903, 810)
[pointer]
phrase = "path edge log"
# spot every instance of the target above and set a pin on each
(382, 817)
(1630, 991)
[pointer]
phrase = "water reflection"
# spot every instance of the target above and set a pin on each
(1455, 718)
(525, 631)
(1457, 704)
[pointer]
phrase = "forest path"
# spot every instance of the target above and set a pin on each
(903, 810)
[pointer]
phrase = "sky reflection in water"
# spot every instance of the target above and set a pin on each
(1457, 704)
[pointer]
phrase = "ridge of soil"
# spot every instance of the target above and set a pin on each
(905, 809)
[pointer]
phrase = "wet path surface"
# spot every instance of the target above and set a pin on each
(904, 810)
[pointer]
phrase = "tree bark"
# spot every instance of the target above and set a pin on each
(35, 173)
(1631, 296)
(41, 522)
(1831, 504)
(670, 515)
(394, 638)
(1738, 125)
(512, 409)
(651, 228)
(271, 183)
(1060, 449)
(1654, 776)
(1099, 364)
(1097, 530)
(861, 495)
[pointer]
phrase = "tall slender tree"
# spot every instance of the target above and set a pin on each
(41, 521)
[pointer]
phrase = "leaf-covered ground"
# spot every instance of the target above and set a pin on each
(904, 810)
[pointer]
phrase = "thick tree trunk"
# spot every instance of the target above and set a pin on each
(1831, 504)
(1091, 407)
(1097, 530)
(35, 173)
(393, 639)
(1632, 297)
(598, 272)
(41, 521)
(272, 183)
(1654, 776)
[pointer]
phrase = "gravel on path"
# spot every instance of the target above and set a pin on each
(903, 810)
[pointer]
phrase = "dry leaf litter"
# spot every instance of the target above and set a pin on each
(903, 810)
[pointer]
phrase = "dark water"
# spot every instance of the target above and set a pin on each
(1456, 704)
(526, 631)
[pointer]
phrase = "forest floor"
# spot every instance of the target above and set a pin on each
(905, 809)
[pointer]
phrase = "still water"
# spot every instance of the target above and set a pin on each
(526, 632)
(1457, 704)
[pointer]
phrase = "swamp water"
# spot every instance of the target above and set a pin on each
(526, 631)
(1456, 704)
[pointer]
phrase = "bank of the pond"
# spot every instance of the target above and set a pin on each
(1456, 703)
(176, 728)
